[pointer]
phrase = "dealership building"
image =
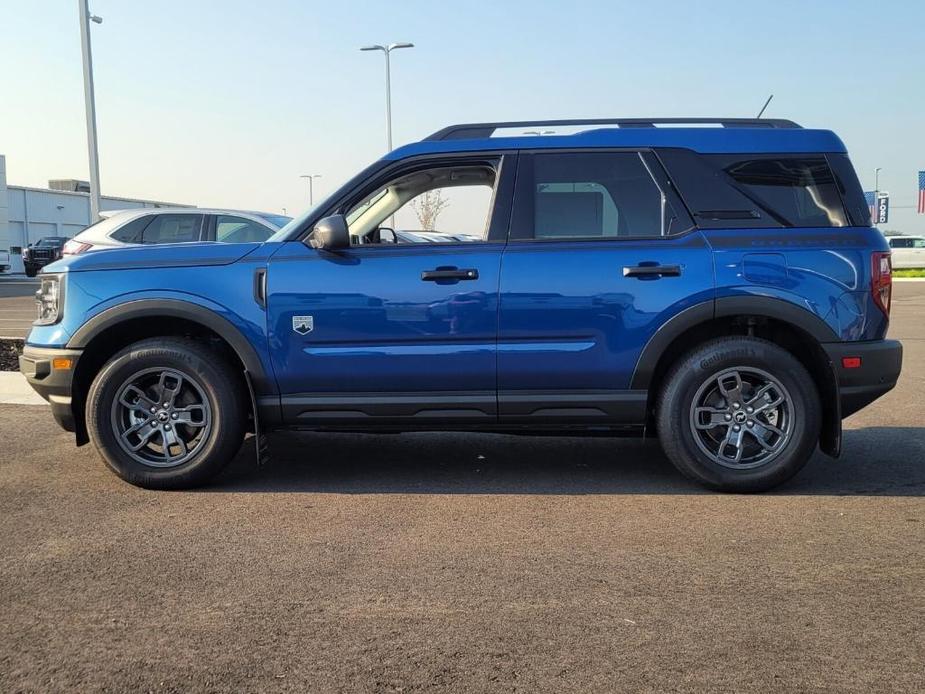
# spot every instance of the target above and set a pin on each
(63, 209)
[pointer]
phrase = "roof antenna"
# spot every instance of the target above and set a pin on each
(765, 106)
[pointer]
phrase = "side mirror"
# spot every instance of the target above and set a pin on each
(387, 235)
(330, 234)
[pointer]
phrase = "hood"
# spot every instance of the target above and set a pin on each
(150, 257)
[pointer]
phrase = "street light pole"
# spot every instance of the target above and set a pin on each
(90, 103)
(387, 50)
(311, 191)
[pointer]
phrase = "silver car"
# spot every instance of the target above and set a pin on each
(174, 225)
(908, 252)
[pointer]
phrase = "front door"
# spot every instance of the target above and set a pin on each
(601, 255)
(403, 324)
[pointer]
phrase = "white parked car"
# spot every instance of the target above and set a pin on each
(908, 251)
(174, 225)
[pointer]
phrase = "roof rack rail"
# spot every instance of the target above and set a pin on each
(466, 131)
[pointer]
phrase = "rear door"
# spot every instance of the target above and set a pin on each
(601, 254)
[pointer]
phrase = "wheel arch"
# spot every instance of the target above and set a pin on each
(795, 329)
(112, 329)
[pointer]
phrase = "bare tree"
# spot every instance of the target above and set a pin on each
(428, 206)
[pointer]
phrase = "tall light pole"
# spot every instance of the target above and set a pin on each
(877, 179)
(90, 103)
(311, 192)
(386, 50)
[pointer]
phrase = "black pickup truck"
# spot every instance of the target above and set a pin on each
(44, 251)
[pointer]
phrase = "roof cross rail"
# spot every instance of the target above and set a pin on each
(465, 131)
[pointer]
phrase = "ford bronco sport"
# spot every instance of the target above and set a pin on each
(720, 286)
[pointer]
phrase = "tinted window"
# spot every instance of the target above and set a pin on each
(596, 195)
(131, 232)
(796, 191)
(850, 188)
(900, 243)
(230, 229)
(172, 228)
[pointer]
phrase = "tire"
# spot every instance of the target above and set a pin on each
(203, 426)
(31, 272)
(701, 394)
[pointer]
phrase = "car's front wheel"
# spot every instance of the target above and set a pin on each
(739, 414)
(166, 413)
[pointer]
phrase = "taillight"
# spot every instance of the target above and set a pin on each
(881, 280)
(72, 247)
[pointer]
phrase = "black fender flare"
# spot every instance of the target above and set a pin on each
(703, 312)
(762, 306)
(175, 308)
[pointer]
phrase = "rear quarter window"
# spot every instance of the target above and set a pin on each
(131, 232)
(797, 191)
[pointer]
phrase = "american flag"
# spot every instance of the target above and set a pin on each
(871, 197)
(921, 192)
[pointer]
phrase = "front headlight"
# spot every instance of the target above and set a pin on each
(49, 299)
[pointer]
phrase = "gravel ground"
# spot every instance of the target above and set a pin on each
(10, 349)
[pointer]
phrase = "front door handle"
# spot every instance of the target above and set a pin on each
(450, 274)
(653, 271)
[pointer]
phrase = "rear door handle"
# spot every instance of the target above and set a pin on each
(652, 271)
(450, 274)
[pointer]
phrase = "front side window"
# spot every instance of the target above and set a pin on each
(232, 229)
(594, 195)
(443, 204)
(796, 191)
(173, 228)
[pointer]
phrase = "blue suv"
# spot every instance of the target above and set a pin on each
(715, 282)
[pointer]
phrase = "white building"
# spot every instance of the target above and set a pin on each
(28, 214)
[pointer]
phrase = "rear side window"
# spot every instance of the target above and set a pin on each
(173, 228)
(131, 232)
(591, 195)
(797, 191)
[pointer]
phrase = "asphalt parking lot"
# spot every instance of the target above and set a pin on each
(470, 563)
(17, 305)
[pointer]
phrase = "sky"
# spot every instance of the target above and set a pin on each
(227, 102)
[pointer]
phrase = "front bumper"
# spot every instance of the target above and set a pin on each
(53, 384)
(880, 364)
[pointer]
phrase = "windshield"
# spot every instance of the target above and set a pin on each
(326, 203)
(51, 241)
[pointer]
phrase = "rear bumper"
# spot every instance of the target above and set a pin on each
(55, 385)
(881, 363)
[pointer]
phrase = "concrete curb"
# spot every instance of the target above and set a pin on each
(15, 390)
(909, 279)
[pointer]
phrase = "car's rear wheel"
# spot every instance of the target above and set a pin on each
(166, 413)
(739, 414)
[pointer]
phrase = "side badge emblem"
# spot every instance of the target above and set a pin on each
(303, 324)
